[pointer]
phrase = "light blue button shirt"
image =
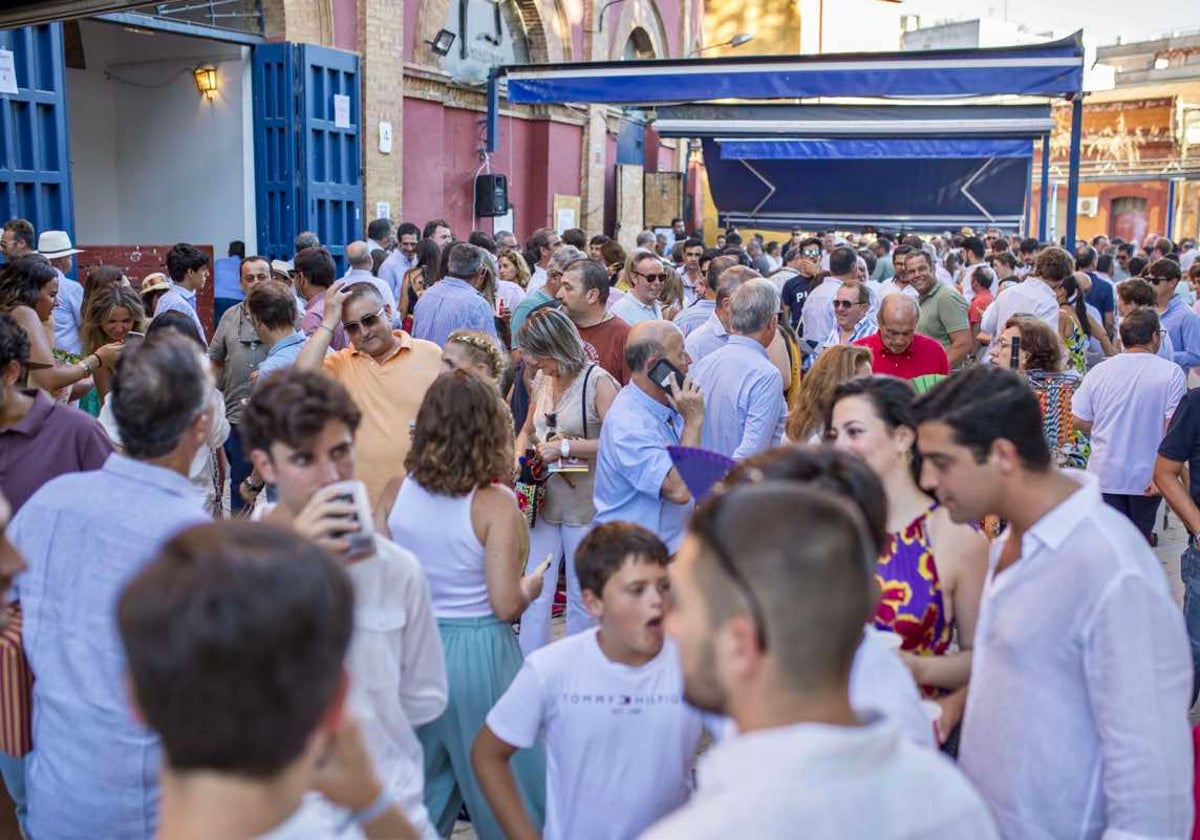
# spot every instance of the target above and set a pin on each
(866, 326)
(705, 339)
(393, 269)
(68, 315)
(744, 409)
(632, 311)
(282, 354)
(94, 770)
(451, 304)
(1183, 326)
(181, 300)
(632, 464)
(694, 316)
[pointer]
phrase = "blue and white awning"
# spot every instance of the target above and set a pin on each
(872, 148)
(1051, 69)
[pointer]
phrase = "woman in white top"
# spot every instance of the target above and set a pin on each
(471, 539)
(575, 394)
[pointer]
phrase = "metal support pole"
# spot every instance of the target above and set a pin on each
(1045, 196)
(1073, 172)
(1028, 198)
(1171, 187)
(493, 112)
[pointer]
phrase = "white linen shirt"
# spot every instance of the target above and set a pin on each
(1030, 297)
(820, 781)
(1076, 724)
(632, 311)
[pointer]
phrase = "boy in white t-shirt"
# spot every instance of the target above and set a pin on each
(619, 736)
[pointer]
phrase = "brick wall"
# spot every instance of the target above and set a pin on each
(381, 68)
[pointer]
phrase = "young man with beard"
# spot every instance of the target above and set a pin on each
(767, 609)
(619, 738)
(1077, 720)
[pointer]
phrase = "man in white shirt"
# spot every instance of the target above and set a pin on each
(1076, 723)
(973, 251)
(55, 245)
(1125, 403)
(817, 317)
(299, 428)
(188, 268)
(250, 705)
(404, 258)
(642, 303)
(541, 245)
(358, 262)
(767, 608)
(695, 315)
(1035, 296)
(617, 688)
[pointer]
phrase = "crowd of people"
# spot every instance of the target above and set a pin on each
(295, 573)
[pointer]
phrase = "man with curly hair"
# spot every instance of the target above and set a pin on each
(299, 428)
(386, 371)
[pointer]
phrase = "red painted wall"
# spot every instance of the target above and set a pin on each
(345, 25)
(441, 157)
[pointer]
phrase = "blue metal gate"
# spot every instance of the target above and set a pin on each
(309, 168)
(35, 164)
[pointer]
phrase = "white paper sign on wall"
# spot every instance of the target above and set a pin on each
(383, 210)
(8, 73)
(341, 110)
(385, 138)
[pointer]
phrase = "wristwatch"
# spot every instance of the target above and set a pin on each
(564, 447)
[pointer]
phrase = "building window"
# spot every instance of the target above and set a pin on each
(638, 46)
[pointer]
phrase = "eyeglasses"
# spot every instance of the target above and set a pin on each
(651, 278)
(367, 321)
(845, 304)
(706, 525)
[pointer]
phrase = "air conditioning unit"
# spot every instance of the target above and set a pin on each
(1088, 206)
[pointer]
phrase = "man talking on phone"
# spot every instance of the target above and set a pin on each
(660, 407)
(299, 427)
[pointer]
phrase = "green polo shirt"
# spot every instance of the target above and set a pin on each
(943, 311)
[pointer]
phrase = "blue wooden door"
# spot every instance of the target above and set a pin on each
(331, 192)
(308, 161)
(35, 162)
(277, 173)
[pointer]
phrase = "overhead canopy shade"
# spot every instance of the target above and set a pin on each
(864, 149)
(827, 121)
(916, 194)
(1052, 69)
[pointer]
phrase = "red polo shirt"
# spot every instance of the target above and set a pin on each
(923, 356)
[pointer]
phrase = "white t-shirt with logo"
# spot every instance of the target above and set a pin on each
(620, 740)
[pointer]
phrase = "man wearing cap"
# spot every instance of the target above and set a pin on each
(55, 245)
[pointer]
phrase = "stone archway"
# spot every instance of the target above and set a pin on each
(638, 19)
(545, 43)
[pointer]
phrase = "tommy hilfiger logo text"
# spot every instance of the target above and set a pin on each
(622, 699)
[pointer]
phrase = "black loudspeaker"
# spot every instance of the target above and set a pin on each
(491, 195)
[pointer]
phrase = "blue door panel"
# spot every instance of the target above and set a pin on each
(277, 173)
(35, 171)
(332, 187)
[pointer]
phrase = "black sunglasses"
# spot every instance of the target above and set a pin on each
(706, 525)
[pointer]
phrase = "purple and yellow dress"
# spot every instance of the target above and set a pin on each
(913, 605)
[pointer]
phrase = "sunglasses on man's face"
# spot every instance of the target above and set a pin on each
(365, 323)
(651, 278)
(845, 304)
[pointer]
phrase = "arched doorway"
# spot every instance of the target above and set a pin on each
(638, 46)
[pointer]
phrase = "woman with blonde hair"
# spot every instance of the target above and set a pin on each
(471, 539)
(112, 311)
(569, 400)
(474, 352)
(835, 365)
(514, 269)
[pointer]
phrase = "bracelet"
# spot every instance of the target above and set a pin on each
(376, 809)
(86, 367)
(325, 326)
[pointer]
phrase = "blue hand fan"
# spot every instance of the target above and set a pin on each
(699, 468)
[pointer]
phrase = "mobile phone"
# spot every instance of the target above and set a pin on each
(361, 540)
(662, 372)
(1015, 358)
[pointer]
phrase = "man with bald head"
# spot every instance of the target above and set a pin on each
(635, 479)
(898, 349)
(359, 262)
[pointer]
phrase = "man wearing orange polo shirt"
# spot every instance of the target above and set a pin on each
(386, 371)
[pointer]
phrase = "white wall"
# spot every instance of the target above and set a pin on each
(153, 162)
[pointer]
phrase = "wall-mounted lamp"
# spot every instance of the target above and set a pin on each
(442, 42)
(206, 81)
